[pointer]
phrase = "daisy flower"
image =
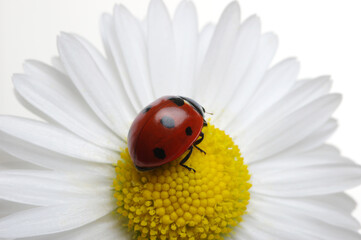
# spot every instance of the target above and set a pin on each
(267, 174)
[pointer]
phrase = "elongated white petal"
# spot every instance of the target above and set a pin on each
(31, 108)
(249, 83)
(41, 189)
(219, 54)
(185, 28)
(132, 45)
(92, 83)
(242, 56)
(161, 49)
(87, 181)
(112, 78)
(8, 161)
(117, 60)
(276, 84)
(18, 165)
(291, 129)
(292, 219)
(49, 159)
(262, 220)
(320, 85)
(250, 230)
(107, 34)
(286, 162)
(326, 150)
(49, 75)
(261, 227)
(50, 94)
(315, 139)
(204, 39)
(55, 139)
(340, 201)
(315, 209)
(53, 219)
(8, 207)
(57, 64)
(308, 181)
(299, 96)
(108, 228)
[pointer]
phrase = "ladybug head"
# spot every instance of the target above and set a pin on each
(196, 105)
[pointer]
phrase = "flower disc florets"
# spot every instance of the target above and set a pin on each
(171, 202)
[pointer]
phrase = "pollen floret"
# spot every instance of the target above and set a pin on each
(171, 202)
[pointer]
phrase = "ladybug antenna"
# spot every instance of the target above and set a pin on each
(206, 112)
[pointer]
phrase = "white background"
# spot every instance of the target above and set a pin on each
(325, 35)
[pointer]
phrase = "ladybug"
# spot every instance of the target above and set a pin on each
(164, 130)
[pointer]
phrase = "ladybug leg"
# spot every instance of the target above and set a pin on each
(185, 159)
(198, 142)
(202, 151)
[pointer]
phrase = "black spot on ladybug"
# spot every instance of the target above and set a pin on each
(167, 122)
(159, 153)
(189, 131)
(147, 109)
(177, 100)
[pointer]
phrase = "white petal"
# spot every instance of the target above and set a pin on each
(249, 83)
(317, 156)
(290, 130)
(50, 94)
(308, 181)
(117, 60)
(219, 54)
(44, 71)
(340, 201)
(275, 85)
(49, 159)
(321, 85)
(57, 64)
(327, 150)
(53, 219)
(261, 227)
(112, 78)
(319, 210)
(7, 207)
(242, 56)
(107, 31)
(258, 216)
(144, 25)
(44, 188)
(294, 220)
(8, 162)
(205, 38)
(304, 93)
(132, 45)
(315, 139)
(18, 165)
(55, 139)
(161, 49)
(107, 228)
(185, 27)
(32, 109)
(249, 230)
(92, 83)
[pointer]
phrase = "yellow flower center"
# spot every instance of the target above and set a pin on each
(171, 202)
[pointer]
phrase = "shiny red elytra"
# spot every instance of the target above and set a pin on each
(164, 130)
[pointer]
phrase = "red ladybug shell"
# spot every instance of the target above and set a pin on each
(163, 131)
